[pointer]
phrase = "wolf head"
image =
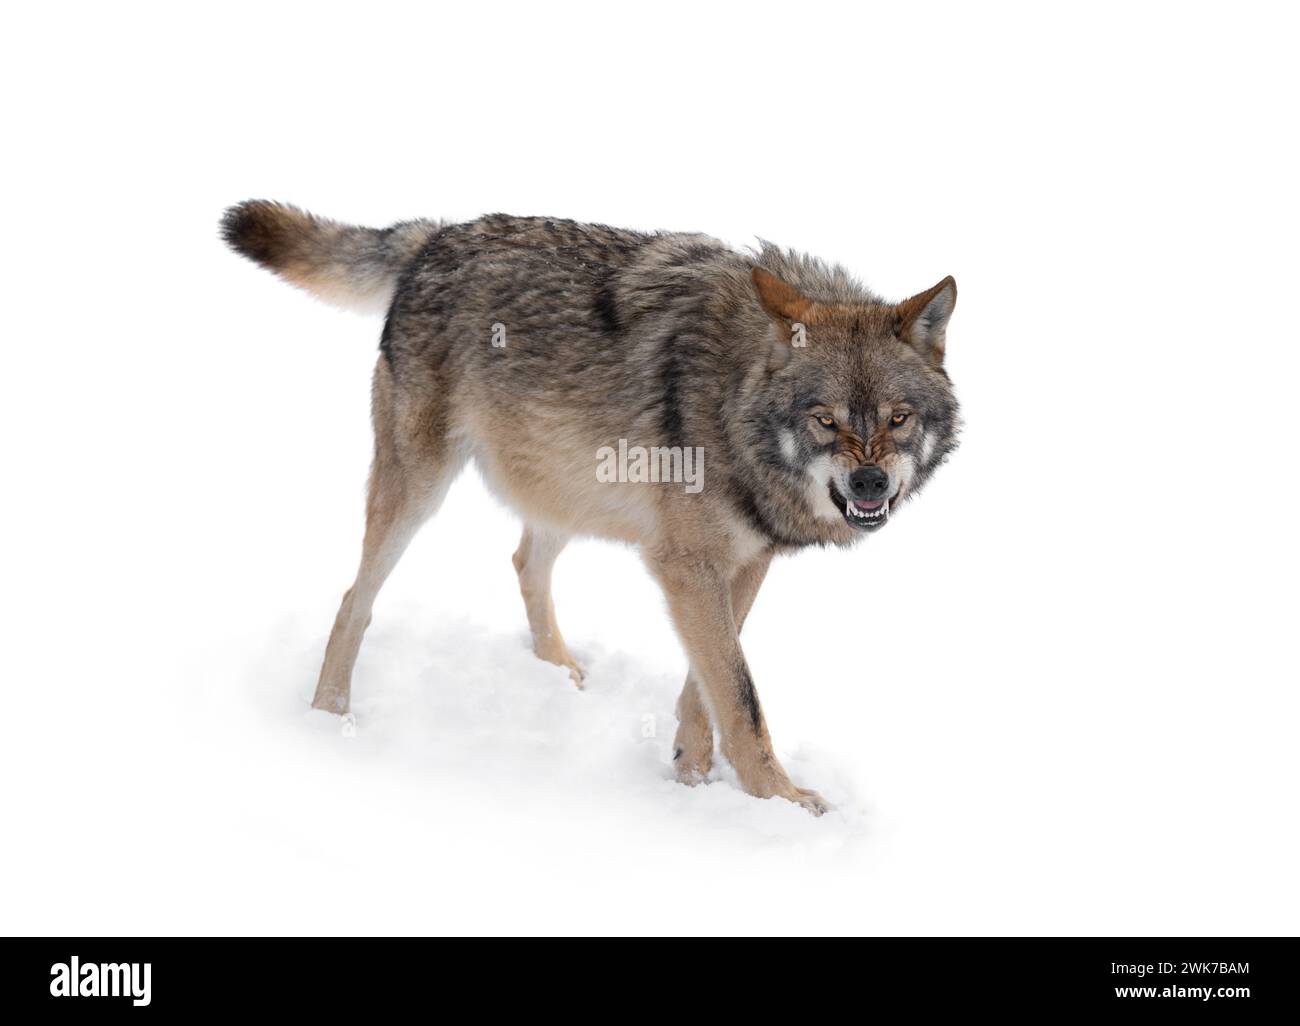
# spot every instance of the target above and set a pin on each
(857, 410)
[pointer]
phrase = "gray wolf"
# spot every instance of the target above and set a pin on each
(537, 347)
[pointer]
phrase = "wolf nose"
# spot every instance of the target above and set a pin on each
(869, 482)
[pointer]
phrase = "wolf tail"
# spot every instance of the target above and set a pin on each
(348, 266)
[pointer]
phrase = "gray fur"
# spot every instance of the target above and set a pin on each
(655, 337)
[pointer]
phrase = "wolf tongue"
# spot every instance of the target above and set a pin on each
(869, 504)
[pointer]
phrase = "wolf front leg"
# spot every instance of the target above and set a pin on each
(693, 745)
(699, 598)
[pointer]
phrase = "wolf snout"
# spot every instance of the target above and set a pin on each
(869, 484)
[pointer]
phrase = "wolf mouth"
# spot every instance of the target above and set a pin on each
(864, 515)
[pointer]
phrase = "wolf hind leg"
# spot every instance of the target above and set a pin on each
(693, 745)
(406, 488)
(534, 559)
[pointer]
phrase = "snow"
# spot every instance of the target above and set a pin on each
(991, 769)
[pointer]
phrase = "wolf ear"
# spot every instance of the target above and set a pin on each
(923, 319)
(788, 308)
(782, 302)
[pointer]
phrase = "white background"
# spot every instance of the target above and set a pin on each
(1056, 695)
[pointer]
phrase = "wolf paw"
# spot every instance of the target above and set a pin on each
(811, 801)
(693, 752)
(550, 652)
(331, 700)
(691, 768)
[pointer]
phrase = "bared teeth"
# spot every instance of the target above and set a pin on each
(851, 510)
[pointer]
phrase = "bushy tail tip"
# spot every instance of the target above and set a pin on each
(347, 265)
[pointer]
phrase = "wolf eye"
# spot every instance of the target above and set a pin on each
(826, 422)
(899, 419)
